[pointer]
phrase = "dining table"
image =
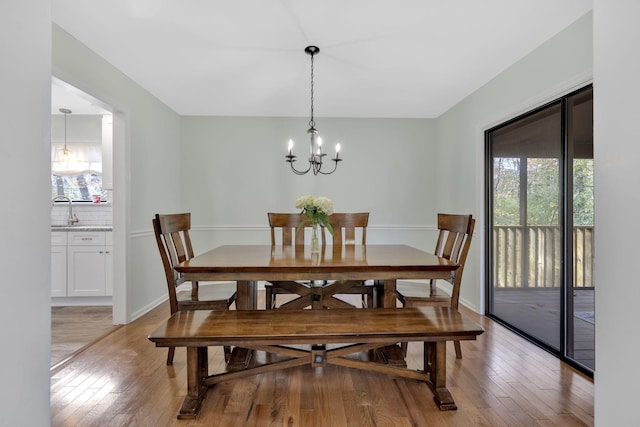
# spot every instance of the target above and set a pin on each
(249, 264)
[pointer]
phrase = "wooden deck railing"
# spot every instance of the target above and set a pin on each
(531, 256)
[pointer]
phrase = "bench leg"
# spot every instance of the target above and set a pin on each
(170, 354)
(435, 363)
(197, 370)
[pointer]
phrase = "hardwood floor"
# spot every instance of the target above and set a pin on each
(75, 327)
(502, 380)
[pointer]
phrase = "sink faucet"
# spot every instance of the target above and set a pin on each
(72, 217)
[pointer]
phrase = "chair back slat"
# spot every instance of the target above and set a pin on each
(454, 241)
(449, 245)
(348, 226)
(285, 231)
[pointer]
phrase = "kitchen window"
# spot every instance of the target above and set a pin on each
(78, 173)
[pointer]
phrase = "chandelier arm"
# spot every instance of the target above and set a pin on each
(297, 172)
(335, 166)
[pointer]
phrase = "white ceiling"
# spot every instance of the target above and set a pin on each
(379, 58)
(66, 96)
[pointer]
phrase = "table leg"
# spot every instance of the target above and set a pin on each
(247, 296)
(246, 299)
(197, 369)
(316, 297)
(388, 295)
(435, 363)
(391, 354)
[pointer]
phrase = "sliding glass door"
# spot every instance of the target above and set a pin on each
(540, 187)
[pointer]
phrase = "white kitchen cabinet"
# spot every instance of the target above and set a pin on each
(88, 265)
(58, 264)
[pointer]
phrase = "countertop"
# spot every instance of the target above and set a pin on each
(81, 228)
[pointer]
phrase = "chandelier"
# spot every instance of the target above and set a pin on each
(316, 155)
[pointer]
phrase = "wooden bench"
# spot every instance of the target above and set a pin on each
(272, 330)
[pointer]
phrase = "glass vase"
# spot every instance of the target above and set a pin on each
(315, 243)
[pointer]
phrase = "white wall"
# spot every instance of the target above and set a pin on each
(147, 172)
(617, 183)
(558, 66)
(83, 128)
(25, 108)
(234, 172)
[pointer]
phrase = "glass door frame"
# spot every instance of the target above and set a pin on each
(565, 222)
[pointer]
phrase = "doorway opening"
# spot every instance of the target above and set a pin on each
(82, 250)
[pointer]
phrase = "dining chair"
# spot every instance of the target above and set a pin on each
(174, 243)
(348, 229)
(454, 240)
(285, 232)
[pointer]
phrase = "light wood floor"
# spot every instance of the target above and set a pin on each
(502, 380)
(75, 327)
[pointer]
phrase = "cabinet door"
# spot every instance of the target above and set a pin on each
(86, 271)
(58, 271)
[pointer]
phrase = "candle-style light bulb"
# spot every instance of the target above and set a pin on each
(337, 150)
(290, 146)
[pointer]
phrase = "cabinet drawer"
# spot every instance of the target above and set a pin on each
(86, 238)
(58, 238)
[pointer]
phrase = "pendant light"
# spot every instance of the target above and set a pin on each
(66, 155)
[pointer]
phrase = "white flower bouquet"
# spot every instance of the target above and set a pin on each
(317, 210)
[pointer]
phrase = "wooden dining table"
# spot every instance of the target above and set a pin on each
(249, 264)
